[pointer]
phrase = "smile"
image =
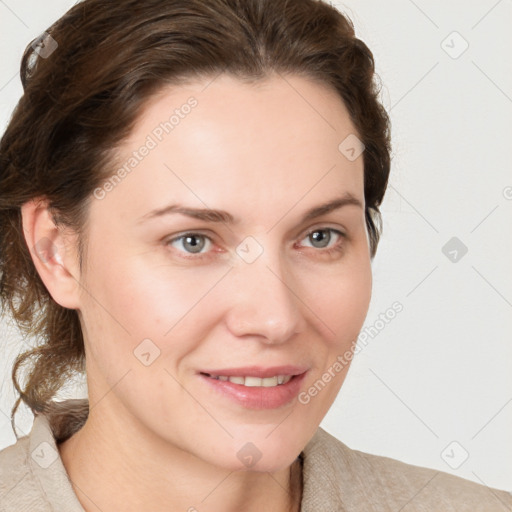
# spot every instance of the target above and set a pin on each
(249, 381)
(256, 387)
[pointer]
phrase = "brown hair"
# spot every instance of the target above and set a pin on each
(83, 99)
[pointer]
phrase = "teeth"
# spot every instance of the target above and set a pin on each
(248, 381)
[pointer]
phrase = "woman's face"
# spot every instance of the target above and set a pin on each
(172, 299)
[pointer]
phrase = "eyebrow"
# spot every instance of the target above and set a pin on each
(209, 215)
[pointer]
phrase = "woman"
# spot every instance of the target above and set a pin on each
(190, 208)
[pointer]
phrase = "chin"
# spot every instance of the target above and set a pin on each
(266, 450)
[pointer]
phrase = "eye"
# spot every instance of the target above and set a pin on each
(321, 238)
(200, 244)
(192, 243)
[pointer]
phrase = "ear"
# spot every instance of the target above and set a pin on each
(54, 253)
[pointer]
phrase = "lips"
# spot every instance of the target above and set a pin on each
(257, 387)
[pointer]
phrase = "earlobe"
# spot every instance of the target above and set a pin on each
(53, 252)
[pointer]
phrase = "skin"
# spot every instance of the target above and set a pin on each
(157, 437)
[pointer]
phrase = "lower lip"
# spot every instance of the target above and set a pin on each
(258, 397)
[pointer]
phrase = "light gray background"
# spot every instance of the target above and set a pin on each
(434, 385)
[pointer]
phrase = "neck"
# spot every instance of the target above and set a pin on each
(112, 468)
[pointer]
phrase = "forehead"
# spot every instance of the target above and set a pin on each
(267, 142)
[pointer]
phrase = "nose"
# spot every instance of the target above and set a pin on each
(264, 302)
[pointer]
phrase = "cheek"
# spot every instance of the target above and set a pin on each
(162, 300)
(341, 300)
(342, 309)
(141, 297)
(130, 299)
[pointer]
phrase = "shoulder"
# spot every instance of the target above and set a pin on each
(18, 488)
(32, 474)
(362, 481)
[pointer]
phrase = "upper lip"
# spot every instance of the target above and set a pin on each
(258, 371)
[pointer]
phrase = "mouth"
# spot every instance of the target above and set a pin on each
(256, 387)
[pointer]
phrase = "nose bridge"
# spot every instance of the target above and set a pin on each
(264, 304)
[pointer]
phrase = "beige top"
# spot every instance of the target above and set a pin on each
(335, 477)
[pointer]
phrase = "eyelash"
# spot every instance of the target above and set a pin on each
(338, 247)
